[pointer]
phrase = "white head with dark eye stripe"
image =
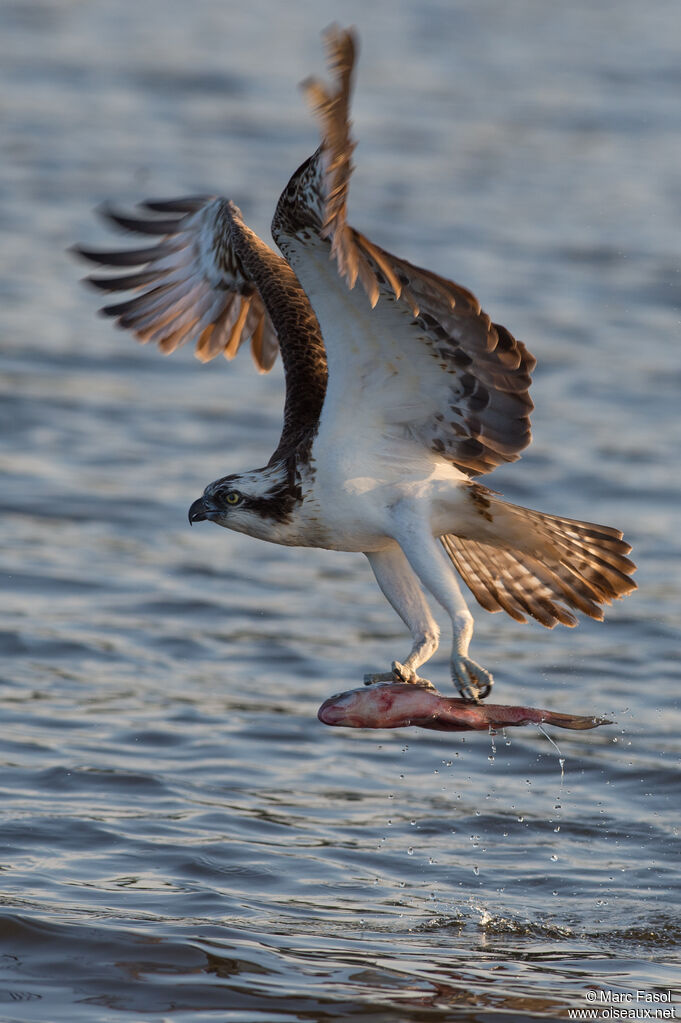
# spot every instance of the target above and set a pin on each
(258, 503)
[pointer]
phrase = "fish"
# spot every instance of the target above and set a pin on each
(400, 704)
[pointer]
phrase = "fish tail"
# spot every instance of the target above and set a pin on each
(574, 721)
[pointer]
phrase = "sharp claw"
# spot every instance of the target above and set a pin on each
(473, 682)
(399, 673)
(425, 683)
(403, 674)
(379, 676)
(486, 690)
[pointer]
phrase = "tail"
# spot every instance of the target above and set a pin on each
(545, 566)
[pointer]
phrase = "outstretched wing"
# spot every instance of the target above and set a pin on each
(429, 359)
(211, 279)
(190, 285)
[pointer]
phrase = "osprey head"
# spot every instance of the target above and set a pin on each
(258, 502)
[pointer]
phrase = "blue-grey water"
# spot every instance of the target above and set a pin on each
(180, 838)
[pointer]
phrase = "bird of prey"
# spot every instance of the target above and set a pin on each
(400, 392)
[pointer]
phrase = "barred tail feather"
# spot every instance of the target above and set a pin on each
(558, 567)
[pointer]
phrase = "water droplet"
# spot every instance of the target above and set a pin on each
(410, 851)
(554, 858)
(476, 871)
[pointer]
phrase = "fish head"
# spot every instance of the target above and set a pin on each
(382, 705)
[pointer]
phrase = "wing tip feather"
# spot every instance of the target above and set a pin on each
(174, 291)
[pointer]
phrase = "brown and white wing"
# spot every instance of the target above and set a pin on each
(421, 346)
(189, 285)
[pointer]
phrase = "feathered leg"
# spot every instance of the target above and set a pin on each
(427, 559)
(403, 590)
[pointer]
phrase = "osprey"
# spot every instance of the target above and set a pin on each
(399, 393)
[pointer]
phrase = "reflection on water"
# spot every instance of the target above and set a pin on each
(180, 835)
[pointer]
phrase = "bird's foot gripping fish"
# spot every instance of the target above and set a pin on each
(397, 705)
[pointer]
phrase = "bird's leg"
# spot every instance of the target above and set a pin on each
(473, 682)
(435, 572)
(402, 588)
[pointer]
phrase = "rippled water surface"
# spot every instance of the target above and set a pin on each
(181, 838)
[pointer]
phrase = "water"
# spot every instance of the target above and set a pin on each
(181, 839)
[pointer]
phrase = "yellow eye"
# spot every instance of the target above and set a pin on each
(233, 497)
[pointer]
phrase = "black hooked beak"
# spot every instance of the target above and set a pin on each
(198, 512)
